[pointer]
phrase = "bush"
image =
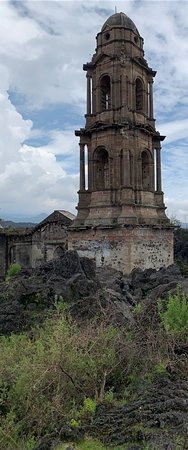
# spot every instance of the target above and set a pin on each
(13, 270)
(58, 373)
(88, 408)
(109, 396)
(45, 378)
(175, 318)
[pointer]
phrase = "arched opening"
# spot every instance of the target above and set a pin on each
(145, 171)
(101, 169)
(139, 95)
(105, 93)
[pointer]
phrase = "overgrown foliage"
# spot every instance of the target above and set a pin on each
(13, 270)
(60, 372)
(175, 317)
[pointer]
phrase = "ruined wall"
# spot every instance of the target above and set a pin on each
(47, 241)
(125, 248)
(21, 253)
(3, 253)
(44, 243)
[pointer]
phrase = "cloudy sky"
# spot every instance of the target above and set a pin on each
(43, 45)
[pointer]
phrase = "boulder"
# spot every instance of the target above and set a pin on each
(158, 416)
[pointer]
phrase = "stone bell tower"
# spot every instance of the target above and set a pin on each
(121, 220)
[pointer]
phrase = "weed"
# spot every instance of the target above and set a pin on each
(175, 318)
(137, 308)
(13, 270)
(109, 396)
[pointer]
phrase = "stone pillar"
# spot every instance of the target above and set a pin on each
(82, 167)
(88, 95)
(127, 171)
(93, 109)
(151, 99)
(152, 175)
(90, 169)
(158, 163)
(123, 89)
(132, 88)
(148, 99)
(132, 180)
(139, 173)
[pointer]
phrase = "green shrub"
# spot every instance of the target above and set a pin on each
(58, 372)
(160, 368)
(88, 408)
(48, 376)
(137, 308)
(175, 318)
(109, 395)
(13, 270)
(75, 423)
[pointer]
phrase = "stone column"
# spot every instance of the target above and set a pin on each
(123, 89)
(90, 169)
(127, 171)
(147, 99)
(151, 99)
(93, 94)
(132, 181)
(88, 95)
(139, 173)
(82, 167)
(133, 95)
(152, 175)
(158, 162)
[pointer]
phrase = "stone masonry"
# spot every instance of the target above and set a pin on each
(32, 247)
(121, 220)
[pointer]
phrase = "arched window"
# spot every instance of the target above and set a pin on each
(105, 93)
(139, 95)
(145, 171)
(101, 169)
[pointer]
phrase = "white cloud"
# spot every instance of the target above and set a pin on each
(31, 179)
(43, 45)
(47, 46)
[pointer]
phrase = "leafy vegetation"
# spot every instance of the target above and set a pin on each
(60, 372)
(13, 270)
(175, 317)
(52, 376)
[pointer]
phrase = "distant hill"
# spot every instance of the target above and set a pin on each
(10, 223)
(24, 219)
(22, 222)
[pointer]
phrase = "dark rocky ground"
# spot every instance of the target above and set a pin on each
(158, 410)
(154, 417)
(28, 297)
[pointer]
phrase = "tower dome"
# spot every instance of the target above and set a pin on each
(119, 20)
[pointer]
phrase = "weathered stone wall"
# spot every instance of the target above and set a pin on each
(20, 251)
(30, 249)
(3, 253)
(47, 241)
(125, 248)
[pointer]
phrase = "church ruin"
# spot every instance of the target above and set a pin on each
(121, 220)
